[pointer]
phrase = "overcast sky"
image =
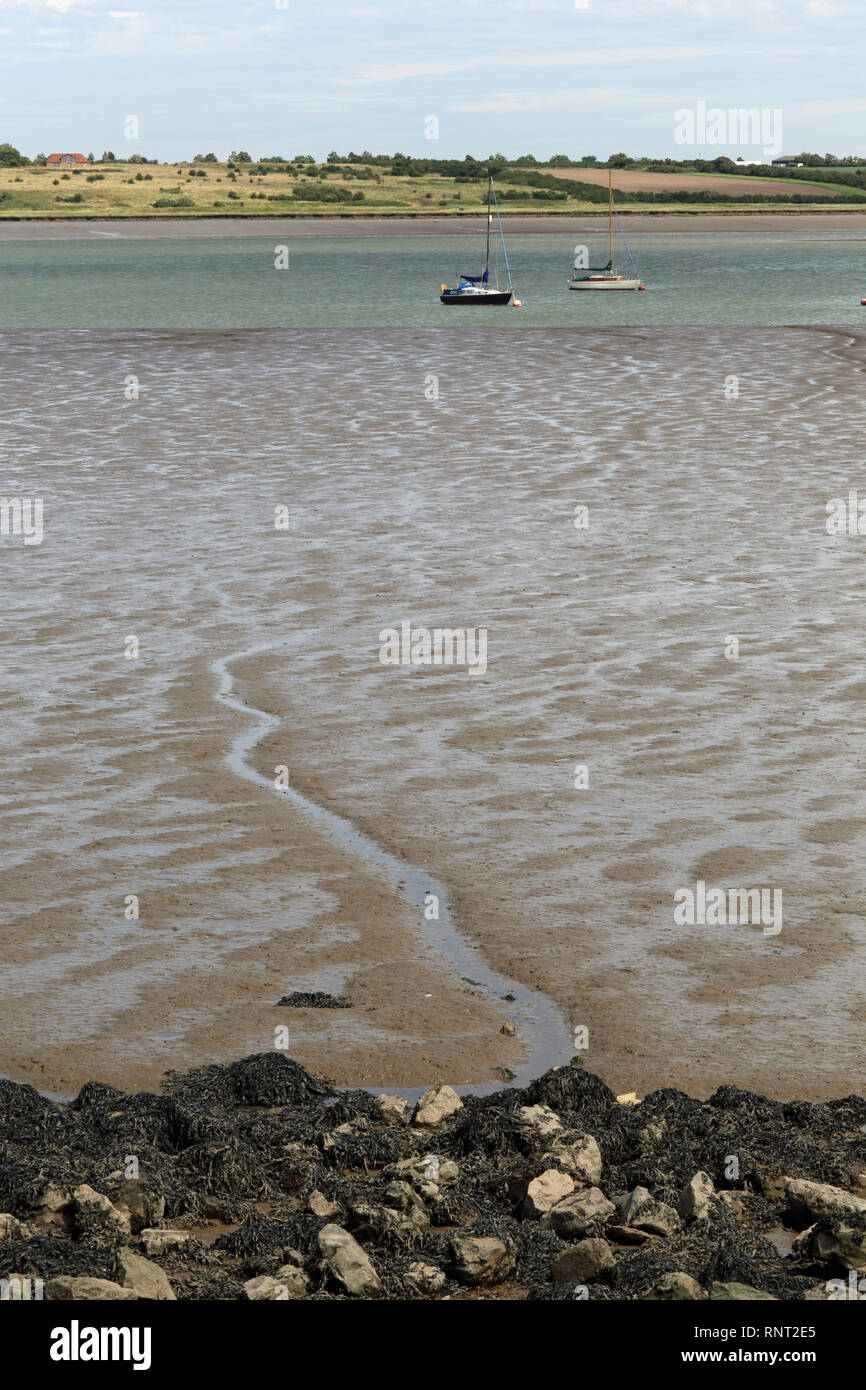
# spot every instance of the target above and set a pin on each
(517, 76)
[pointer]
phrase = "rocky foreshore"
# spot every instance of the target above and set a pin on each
(259, 1181)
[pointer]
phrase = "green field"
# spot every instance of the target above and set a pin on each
(221, 190)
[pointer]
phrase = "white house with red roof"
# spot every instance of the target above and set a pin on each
(57, 161)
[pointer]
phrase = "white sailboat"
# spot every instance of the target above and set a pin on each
(605, 277)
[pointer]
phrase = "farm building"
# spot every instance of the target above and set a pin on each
(56, 161)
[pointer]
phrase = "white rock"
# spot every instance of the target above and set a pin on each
(481, 1260)
(143, 1276)
(436, 1105)
(348, 1263)
(395, 1110)
(815, 1199)
(319, 1205)
(544, 1192)
(578, 1213)
(579, 1156)
(696, 1198)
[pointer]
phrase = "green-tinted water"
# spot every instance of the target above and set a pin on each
(393, 281)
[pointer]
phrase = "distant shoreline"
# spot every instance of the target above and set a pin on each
(421, 224)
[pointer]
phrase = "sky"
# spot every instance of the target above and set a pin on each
(437, 78)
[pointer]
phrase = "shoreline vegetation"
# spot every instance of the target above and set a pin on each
(388, 187)
(259, 1181)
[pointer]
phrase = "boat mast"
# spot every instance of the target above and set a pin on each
(501, 236)
(489, 187)
(610, 209)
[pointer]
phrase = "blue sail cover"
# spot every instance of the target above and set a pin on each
(476, 279)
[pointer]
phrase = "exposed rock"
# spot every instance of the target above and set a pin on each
(579, 1155)
(674, 1288)
(801, 1248)
(589, 1259)
(544, 1192)
(811, 1200)
(436, 1105)
(157, 1242)
(143, 1276)
(739, 1293)
(842, 1241)
(53, 1207)
(509, 1029)
(344, 1259)
(264, 1288)
(403, 1198)
(695, 1200)
(293, 1259)
(627, 1235)
(735, 1202)
(395, 1110)
(579, 1213)
(646, 1213)
(481, 1260)
(426, 1279)
(320, 1206)
(293, 1279)
(81, 1288)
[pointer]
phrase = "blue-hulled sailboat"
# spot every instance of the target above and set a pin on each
(477, 289)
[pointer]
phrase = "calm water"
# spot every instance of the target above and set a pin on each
(393, 281)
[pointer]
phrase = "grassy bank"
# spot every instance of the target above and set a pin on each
(223, 190)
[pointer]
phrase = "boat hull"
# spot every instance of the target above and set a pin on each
(487, 297)
(619, 284)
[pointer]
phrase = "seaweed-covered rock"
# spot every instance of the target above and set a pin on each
(96, 1218)
(268, 1155)
(841, 1239)
(317, 1000)
(641, 1210)
(739, 1293)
